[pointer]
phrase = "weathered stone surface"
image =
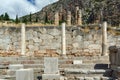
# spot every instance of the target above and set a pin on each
(31, 47)
(75, 45)
(89, 78)
(29, 36)
(56, 46)
(31, 42)
(43, 30)
(15, 66)
(36, 40)
(96, 78)
(24, 74)
(88, 37)
(51, 65)
(94, 46)
(1, 41)
(35, 33)
(1, 31)
(77, 62)
(46, 36)
(77, 39)
(51, 38)
(54, 32)
(50, 77)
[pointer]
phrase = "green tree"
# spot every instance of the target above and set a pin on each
(36, 20)
(16, 19)
(30, 17)
(24, 20)
(1, 17)
(46, 17)
(6, 17)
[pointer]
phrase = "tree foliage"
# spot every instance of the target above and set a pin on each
(16, 19)
(46, 17)
(4, 17)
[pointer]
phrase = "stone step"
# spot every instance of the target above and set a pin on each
(60, 62)
(84, 61)
(85, 66)
(33, 65)
(34, 60)
(3, 66)
(86, 71)
(95, 78)
(60, 58)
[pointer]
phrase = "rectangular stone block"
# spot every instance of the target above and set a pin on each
(15, 66)
(24, 74)
(77, 61)
(51, 65)
(50, 77)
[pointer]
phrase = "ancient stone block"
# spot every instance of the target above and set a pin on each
(36, 39)
(54, 32)
(15, 66)
(51, 65)
(77, 61)
(35, 33)
(46, 36)
(29, 36)
(31, 47)
(77, 39)
(43, 30)
(50, 77)
(1, 31)
(94, 46)
(24, 74)
(75, 45)
(31, 42)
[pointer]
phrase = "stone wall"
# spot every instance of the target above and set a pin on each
(48, 40)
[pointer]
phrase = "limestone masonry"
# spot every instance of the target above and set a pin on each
(47, 39)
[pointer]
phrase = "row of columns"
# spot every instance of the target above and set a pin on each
(78, 17)
(104, 39)
(23, 44)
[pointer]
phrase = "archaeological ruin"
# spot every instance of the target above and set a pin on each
(60, 52)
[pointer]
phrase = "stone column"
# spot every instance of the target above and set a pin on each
(76, 14)
(23, 46)
(63, 40)
(56, 18)
(79, 17)
(69, 18)
(104, 39)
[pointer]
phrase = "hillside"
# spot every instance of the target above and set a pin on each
(92, 10)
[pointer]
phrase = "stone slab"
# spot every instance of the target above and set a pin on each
(11, 72)
(24, 74)
(50, 77)
(51, 65)
(15, 66)
(77, 62)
